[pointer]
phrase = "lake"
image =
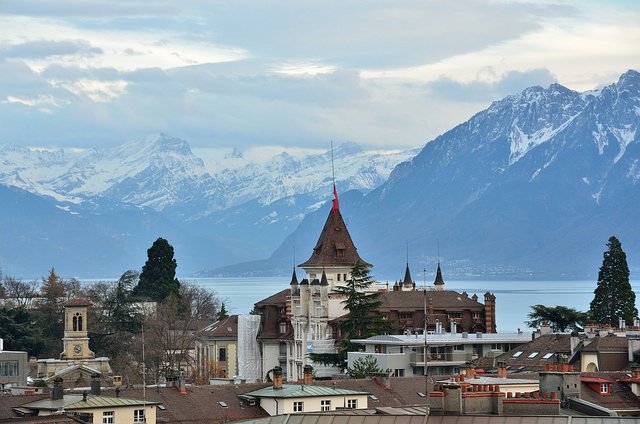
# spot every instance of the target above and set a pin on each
(513, 298)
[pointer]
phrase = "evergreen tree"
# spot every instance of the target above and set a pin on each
(223, 313)
(614, 297)
(362, 321)
(561, 318)
(363, 367)
(158, 278)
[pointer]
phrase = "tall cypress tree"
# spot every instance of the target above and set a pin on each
(158, 277)
(614, 297)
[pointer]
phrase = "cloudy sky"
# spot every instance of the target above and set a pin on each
(297, 74)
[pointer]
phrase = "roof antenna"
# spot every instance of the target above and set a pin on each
(335, 192)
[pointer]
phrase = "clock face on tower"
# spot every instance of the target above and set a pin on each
(77, 348)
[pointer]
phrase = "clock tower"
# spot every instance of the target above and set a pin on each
(76, 341)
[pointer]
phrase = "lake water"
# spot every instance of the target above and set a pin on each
(513, 298)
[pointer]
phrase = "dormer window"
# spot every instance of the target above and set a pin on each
(604, 388)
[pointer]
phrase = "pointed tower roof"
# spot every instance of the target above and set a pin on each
(439, 281)
(323, 279)
(294, 278)
(407, 277)
(334, 246)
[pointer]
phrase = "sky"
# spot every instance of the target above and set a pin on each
(266, 75)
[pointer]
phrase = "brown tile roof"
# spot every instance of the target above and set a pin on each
(278, 299)
(77, 302)
(7, 403)
(607, 344)
(620, 396)
(441, 299)
(543, 345)
(334, 237)
(228, 327)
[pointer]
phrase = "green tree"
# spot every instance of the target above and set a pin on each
(158, 278)
(362, 367)
(222, 314)
(19, 331)
(613, 297)
(362, 321)
(560, 318)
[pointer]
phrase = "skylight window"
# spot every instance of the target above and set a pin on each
(421, 394)
(547, 356)
(373, 398)
(533, 355)
(518, 353)
(229, 329)
(223, 404)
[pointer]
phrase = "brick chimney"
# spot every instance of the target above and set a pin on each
(308, 375)
(502, 368)
(277, 378)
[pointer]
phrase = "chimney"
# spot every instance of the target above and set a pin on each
(308, 375)
(575, 340)
(635, 371)
(502, 369)
(95, 384)
(58, 389)
(545, 328)
(277, 378)
(117, 391)
(84, 395)
(621, 323)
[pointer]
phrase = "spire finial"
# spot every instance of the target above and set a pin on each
(335, 192)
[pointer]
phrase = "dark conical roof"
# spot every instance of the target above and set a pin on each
(294, 278)
(334, 246)
(439, 281)
(407, 276)
(323, 280)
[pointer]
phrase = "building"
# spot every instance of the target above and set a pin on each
(448, 353)
(77, 362)
(13, 368)
(228, 349)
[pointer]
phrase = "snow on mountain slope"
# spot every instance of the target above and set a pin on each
(162, 173)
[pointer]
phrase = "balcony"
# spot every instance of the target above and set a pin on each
(417, 358)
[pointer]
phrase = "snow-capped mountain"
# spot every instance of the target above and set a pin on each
(245, 206)
(536, 183)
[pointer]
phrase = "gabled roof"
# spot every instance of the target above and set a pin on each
(533, 356)
(278, 299)
(69, 402)
(334, 246)
(302, 390)
(414, 300)
(228, 327)
(607, 344)
(619, 397)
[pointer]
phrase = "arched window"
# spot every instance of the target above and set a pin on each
(77, 322)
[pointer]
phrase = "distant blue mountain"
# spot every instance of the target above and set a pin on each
(532, 186)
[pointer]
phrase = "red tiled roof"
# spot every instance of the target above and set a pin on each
(586, 379)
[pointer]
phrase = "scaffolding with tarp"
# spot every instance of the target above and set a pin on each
(248, 350)
(322, 346)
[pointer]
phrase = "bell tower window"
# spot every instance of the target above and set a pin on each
(77, 322)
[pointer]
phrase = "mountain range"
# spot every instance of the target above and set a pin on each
(98, 210)
(533, 186)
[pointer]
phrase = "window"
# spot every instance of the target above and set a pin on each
(547, 356)
(222, 354)
(325, 405)
(77, 322)
(344, 277)
(518, 353)
(421, 394)
(385, 317)
(283, 348)
(283, 327)
(338, 277)
(604, 388)
(352, 403)
(298, 406)
(373, 398)
(496, 346)
(138, 416)
(533, 355)
(454, 315)
(399, 372)
(8, 368)
(405, 315)
(458, 347)
(318, 309)
(340, 253)
(107, 417)
(476, 315)
(223, 404)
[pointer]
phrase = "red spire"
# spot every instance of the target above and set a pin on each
(335, 200)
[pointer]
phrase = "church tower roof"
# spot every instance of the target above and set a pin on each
(439, 283)
(407, 276)
(294, 278)
(334, 246)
